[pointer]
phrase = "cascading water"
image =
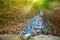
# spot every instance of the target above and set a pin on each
(38, 24)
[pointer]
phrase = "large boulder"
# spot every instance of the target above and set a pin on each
(46, 37)
(38, 37)
(54, 18)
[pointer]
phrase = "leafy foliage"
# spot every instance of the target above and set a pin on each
(12, 11)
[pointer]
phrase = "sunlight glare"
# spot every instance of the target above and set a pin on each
(35, 1)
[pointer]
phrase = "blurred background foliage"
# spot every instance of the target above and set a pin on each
(12, 11)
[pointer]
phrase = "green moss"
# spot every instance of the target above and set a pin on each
(31, 38)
